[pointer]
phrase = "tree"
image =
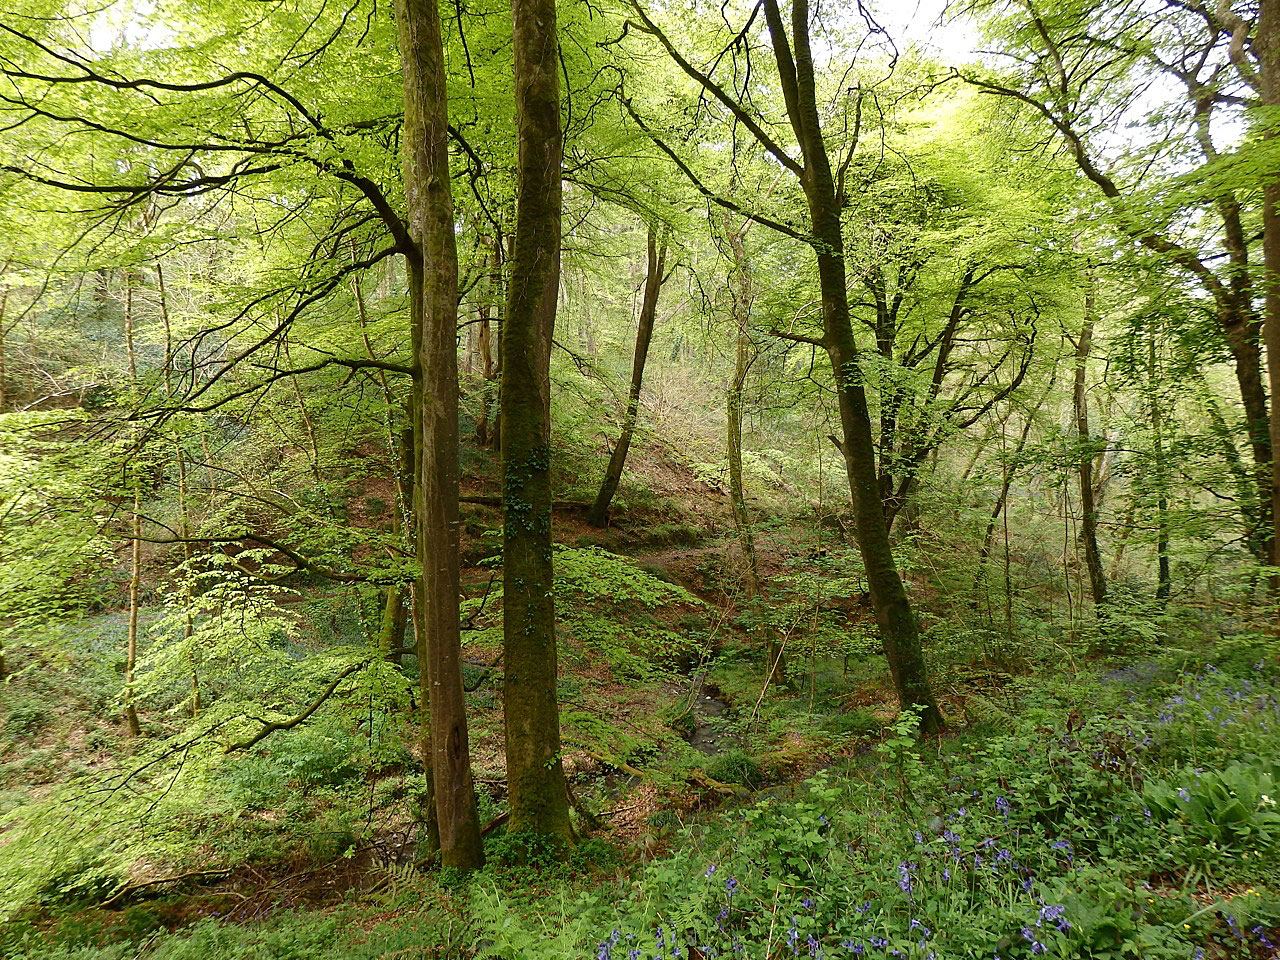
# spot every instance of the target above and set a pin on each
(433, 293)
(537, 793)
(824, 190)
(655, 277)
(1268, 44)
(1081, 68)
(1085, 454)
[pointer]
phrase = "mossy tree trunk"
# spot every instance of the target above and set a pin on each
(598, 515)
(537, 793)
(433, 279)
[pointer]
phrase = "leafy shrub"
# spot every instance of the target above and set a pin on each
(736, 766)
(27, 719)
(853, 723)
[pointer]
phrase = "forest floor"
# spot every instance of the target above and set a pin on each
(1118, 805)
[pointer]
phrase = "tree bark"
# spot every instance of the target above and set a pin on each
(537, 793)
(434, 290)
(894, 616)
(1268, 41)
(598, 515)
(1084, 460)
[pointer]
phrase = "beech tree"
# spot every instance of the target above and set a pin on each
(535, 774)
(824, 187)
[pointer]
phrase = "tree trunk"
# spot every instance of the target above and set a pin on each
(434, 290)
(1084, 460)
(485, 343)
(894, 616)
(4, 383)
(1268, 41)
(598, 515)
(395, 613)
(1160, 469)
(537, 793)
(135, 525)
(743, 294)
(1011, 467)
(184, 509)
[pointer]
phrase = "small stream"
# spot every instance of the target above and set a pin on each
(711, 734)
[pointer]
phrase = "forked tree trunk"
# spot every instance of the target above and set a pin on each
(598, 515)
(1084, 461)
(433, 279)
(899, 632)
(537, 792)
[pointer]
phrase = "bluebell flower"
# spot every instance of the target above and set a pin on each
(1183, 795)
(1002, 805)
(879, 942)
(1050, 913)
(730, 885)
(807, 903)
(904, 878)
(710, 870)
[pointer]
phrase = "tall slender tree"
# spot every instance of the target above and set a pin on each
(433, 290)
(824, 189)
(1084, 456)
(537, 793)
(655, 276)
